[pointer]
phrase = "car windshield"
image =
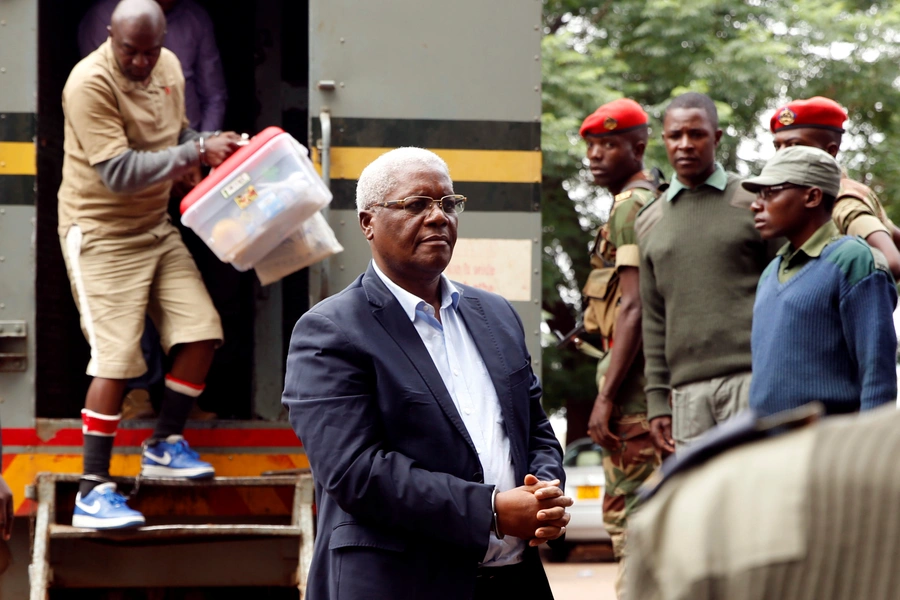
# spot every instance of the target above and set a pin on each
(585, 454)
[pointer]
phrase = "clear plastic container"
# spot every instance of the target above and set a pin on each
(255, 199)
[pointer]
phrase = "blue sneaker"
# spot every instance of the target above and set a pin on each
(104, 508)
(172, 457)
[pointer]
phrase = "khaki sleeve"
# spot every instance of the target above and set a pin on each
(865, 225)
(628, 256)
(91, 109)
(852, 216)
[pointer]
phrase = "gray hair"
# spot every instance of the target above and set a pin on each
(380, 176)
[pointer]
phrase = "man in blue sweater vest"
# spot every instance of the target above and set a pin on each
(822, 321)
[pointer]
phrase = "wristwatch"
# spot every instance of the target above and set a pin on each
(494, 523)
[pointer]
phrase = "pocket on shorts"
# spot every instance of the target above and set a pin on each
(679, 426)
(695, 413)
(685, 417)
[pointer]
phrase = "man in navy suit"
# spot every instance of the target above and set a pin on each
(437, 473)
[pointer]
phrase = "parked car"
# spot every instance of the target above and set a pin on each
(583, 463)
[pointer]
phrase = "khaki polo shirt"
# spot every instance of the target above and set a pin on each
(106, 114)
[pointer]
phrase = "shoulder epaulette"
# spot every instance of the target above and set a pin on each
(640, 196)
(623, 196)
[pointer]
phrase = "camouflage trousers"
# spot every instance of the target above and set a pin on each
(625, 469)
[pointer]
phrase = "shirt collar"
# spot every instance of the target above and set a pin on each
(410, 302)
(718, 179)
(816, 243)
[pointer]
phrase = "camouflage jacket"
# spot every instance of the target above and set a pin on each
(614, 247)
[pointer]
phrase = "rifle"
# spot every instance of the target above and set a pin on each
(596, 350)
(569, 338)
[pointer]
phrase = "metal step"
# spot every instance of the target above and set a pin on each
(179, 512)
(287, 477)
(157, 532)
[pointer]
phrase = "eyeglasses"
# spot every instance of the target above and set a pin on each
(414, 205)
(766, 193)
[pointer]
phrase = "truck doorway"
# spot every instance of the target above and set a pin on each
(264, 52)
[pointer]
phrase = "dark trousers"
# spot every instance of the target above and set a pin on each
(523, 581)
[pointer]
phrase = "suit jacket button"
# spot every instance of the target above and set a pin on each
(478, 477)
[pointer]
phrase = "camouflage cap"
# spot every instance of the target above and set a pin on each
(800, 165)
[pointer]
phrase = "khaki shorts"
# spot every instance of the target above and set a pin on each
(701, 405)
(116, 280)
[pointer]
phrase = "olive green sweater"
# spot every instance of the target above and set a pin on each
(700, 263)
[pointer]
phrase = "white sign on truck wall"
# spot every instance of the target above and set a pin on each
(502, 266)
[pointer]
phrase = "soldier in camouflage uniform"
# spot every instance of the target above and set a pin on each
(817, 122)
(616, 135)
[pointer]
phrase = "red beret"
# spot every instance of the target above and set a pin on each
(817, 112)
(617, 116)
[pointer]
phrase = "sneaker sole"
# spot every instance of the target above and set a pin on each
(192, 473)
(88, 522)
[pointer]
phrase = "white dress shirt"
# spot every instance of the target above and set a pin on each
(465, 376)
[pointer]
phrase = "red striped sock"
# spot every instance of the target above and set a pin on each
(185, 387)
(94, 423)
(99, 434)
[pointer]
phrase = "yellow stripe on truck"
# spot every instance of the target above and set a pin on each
(18, 158)
(490, 166)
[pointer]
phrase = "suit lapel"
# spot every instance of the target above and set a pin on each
(473, 315)
(396, 323)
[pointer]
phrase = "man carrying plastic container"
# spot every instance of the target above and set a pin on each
(126, 140)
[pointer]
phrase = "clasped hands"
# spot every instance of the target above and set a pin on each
(535, 511)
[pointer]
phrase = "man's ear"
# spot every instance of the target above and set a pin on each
(366, 219)
(718, 137)
(813, 198)
(638, 148)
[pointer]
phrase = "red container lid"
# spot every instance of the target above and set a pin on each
(231, 164)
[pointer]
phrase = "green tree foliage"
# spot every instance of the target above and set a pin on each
(750, 56)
